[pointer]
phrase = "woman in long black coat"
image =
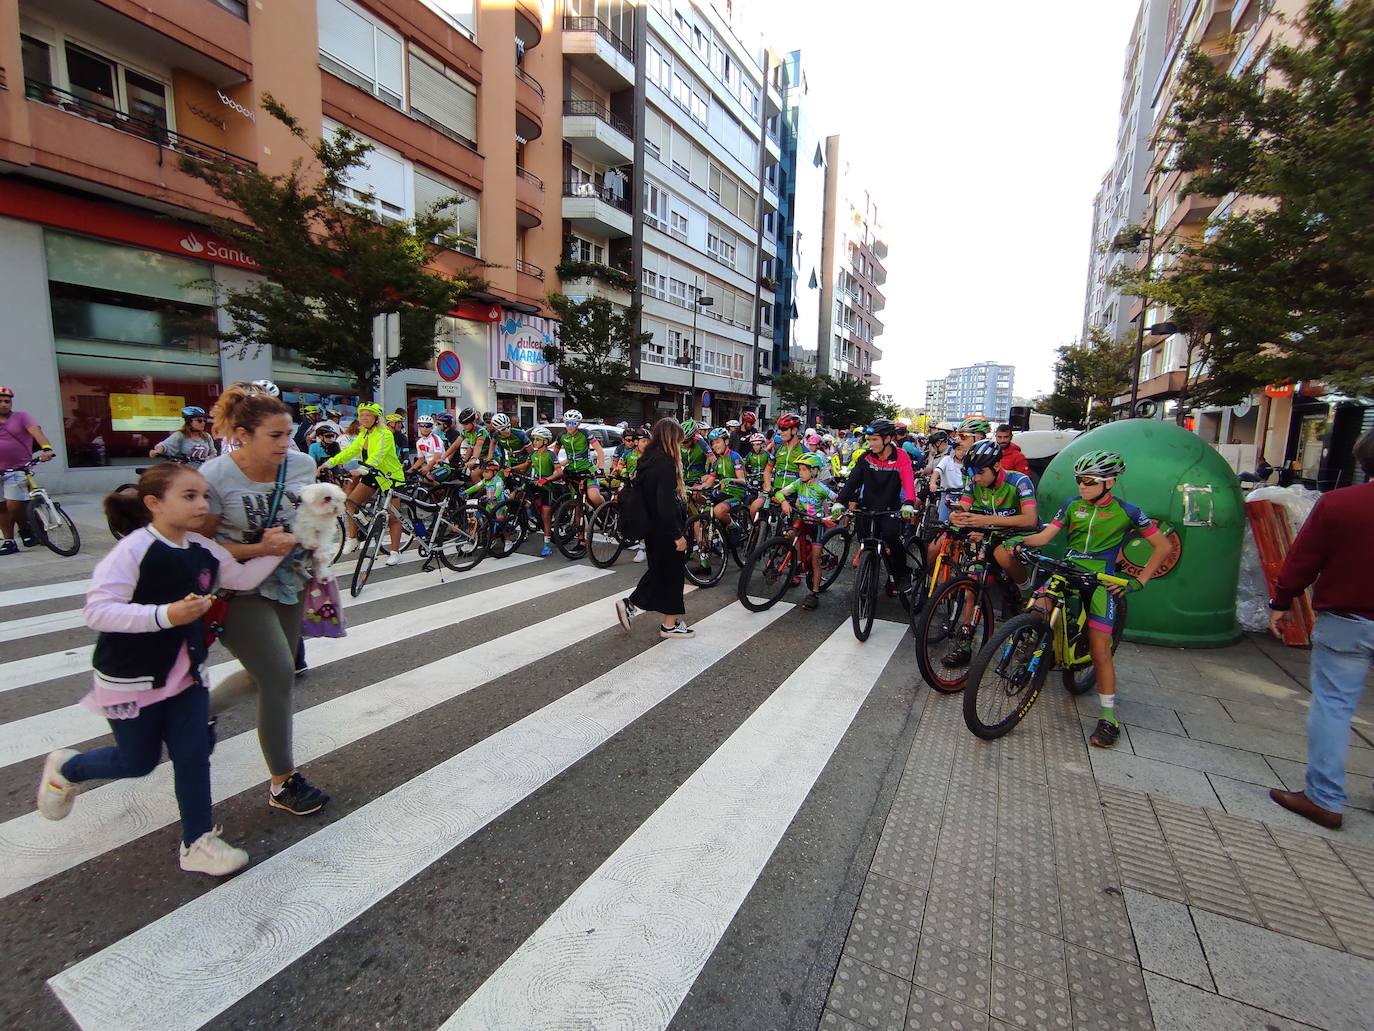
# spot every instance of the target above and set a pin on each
(659, 478)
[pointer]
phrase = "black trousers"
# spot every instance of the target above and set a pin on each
(660, 588)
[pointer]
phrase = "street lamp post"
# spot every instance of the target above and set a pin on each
(701, 301)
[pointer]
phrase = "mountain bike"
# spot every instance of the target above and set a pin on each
(784, 561)
(1009, 671)
(572, 516)
(961, 611)
(864, 603)
(48, 521)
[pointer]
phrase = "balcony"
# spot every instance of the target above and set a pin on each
(83, 140)
(584, 279)
(597, 210)
(165, 27)
(529, 22)
(598, 52)
(1191, 210)
(529, 268)
(594, 131)
(1169, 384)
(529, 199)
(529, 106)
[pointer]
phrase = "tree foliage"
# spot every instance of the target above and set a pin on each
(847, 402)
(1284, 289)
(591, 357)
(796, 389)
(1097, 368)
(331, 265)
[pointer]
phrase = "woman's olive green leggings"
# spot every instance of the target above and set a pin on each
(262, 635)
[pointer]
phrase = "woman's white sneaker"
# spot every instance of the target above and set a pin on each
(350, 545)
(678, 629)
(55, 792)
(624, 611)
(392, 560)
(211, 854)
(640, 555)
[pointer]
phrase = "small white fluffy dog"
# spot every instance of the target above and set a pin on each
(317, 527)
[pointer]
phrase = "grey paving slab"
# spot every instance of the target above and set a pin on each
(961, 920)
(1099, 924)
(869, 997)
(952, 972)
(1024, 1001)
(1203, 755)
(1253, 801)
(929, 1010)
(1098, 978)
(1358, 792)
(1269, 742)
(893, 901)
(1152, 776)
(1296, 979)
(831, 1021)
(1181, 1007)
(883, 944)
(1166, 939)
(1137, 711)
(1192, 699)
(1032, 952)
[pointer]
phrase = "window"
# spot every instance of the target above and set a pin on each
(90, 77)
(678, 292)
(147, 98)
(585, 250)
(678, 226)
(459, 13)
(677, 344)
(696, 107)
(361, 51)
(442, 99)
(653, 283)
(655, 351)
(656, 206)
(381, 183)
(431, 188)
(657, 68)
(37, 57)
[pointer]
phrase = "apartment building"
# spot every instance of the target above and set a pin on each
(103, 238)
(853, 274)
(1121, 200)
(983, 389)
(706, 192)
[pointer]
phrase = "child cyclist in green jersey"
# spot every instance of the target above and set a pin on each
(724, 469)
(492, 489)
(543, 470)
(994, 499)
(782, 469)
(755, 465)
(811, 496)
(1098, 524)
(577, 449)
(508, 444)
(469, 444)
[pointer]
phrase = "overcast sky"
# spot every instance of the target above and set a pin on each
(985, 129)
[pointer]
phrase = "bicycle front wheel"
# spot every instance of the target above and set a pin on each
(767, 573)
(462, 541)
(367, 554)
(1007, 675)
(955, 623)
(507, 531)
(834, 554)
(570, 523)
(605, 542)
(864, 604)
(706, 554)
(51, 525)
(1080, 675)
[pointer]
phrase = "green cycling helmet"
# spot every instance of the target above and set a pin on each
(689, 428)
(1106, 464)
(975, 425)
(810, 459)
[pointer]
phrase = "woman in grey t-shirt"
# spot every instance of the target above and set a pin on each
(191, 444)
(262, 629)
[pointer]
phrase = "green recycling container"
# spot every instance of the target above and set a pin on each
(1181, 482)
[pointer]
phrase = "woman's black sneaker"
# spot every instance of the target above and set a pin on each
(811, 600)
(297, 796)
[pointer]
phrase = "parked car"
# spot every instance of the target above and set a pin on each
(608, 435)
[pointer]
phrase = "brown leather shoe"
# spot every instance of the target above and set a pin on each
(1297, 802)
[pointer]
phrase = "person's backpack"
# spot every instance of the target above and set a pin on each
(634, 513)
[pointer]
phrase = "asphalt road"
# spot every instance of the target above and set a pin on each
(537, 819)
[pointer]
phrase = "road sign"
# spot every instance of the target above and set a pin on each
(448, 365)
(447, 389)
(705, 399)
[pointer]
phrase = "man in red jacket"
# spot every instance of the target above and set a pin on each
(1013, 458)
(1333, 549)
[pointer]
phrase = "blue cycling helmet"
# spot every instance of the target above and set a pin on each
(193, 412)
(716, 435)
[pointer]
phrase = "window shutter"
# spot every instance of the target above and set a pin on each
(430, 188)
(700, 167)
(391, 85)
(450, 105)
(346, 36)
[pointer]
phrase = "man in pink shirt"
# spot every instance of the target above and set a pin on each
(18, 432)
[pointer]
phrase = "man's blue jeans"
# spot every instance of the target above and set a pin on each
(1342, 653)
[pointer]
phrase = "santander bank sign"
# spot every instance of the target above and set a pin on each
(202, 245)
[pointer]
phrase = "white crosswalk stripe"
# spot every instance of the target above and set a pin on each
(61, 728)
(633, 938)
(194, 963)
(44, 592)
(32, 848)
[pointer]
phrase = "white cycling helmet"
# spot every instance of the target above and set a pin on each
(829, 438)
(425, 420)
(500, 422)
(732, 424)
(267, 387)
(572, 415)
(541, 433)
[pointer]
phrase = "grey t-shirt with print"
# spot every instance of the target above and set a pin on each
(243, 505)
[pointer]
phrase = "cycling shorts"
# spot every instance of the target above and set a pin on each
(1102, 605)
(374, 479)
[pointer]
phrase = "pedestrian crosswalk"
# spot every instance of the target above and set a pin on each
(512, 640)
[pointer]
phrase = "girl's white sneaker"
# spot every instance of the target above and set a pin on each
(392, 560)
(350, 545)
(211, 854)
(55, 792)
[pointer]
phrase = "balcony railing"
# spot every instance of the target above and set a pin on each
(573, 23)
(593, 192)
(153, 132)
(578, 108)
(529, 268)
(529, 177)
(529, 80)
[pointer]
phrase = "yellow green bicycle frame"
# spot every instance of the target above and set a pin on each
(1065, 638)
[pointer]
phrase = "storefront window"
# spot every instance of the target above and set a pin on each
(130, 331)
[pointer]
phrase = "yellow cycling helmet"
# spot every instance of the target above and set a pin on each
(370, 406)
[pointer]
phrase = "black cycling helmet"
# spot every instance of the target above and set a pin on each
(939, 437)
(882, 427)
(486, 416)
(467, 415)
(444, 417)
(983, 455)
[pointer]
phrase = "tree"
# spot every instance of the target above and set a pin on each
(846, 402)
(591, 356)
(796, 389)
(331, 265)
(1284, 290)
(1097, 368)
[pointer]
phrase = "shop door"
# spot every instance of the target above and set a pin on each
(527, 414)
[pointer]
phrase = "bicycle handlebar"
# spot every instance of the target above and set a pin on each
(1073, 572)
